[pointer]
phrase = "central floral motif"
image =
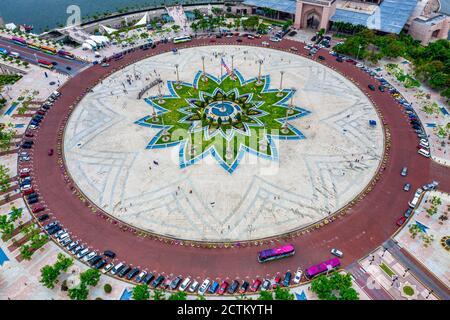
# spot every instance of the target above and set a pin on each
(222, 117)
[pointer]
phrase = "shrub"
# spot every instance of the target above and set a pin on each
(107, 287)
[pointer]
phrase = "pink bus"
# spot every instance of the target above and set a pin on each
(276, 253)
(19, 41)
(323, 267)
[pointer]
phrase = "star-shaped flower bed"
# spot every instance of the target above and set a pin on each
(222, 117)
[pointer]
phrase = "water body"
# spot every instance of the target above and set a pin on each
(49, 14)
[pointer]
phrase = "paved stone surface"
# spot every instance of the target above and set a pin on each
(365, 226)
(106, 153)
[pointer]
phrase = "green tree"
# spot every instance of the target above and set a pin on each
(283, 294)
(6, 134)
(178, 296)
(26, 252)
(49, 274)
(78, 293)
(159, 294)
(265, 295)
(90, 277)
(107, 287)
(140, 292)
(63, 263)
(4, 178)
(336, 286)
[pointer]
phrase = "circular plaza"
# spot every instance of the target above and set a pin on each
(234, 143)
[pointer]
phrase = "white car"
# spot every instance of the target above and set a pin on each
(265, 43)
(184, 284)
(337, 253)
(89, 256)
(32, 127)
(25, 170)
(108, 267)
(275, 39)
(82, 253)
(193, 286)
(298, 276)
(204, 287)
(424, 152)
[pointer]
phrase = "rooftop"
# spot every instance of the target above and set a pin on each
(288, 6)
(390, 16)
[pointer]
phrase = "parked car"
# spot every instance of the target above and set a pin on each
(408, 212)
(43, 217)
(265, 285)
(255, 285)
(122, 273)
(110, 254)
(185, 284)
(337, 253)
(193, 287)
(100, 264)
(244, 287)
(158, 281)
(407, 187)
(133, 273)
(371, 87)
(401, 221)
(404, 172)
(205, 285)
(117, 268)
(95, 260)
(299, 273)
(287, 279)
(82, 253)
(276, 282)
(223, 288)
(140, 276)
(50, 152)
(213, 288)
(175, 282)
(37, 208)
(233, 287)
(149, 277)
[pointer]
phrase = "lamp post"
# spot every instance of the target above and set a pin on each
(291, 102)
(406, 271)
(280, 94)
(429, 292)
(359, 48)
(204, 72)
(260, 61)
(178, 76)
(232, 65)
(161, 100)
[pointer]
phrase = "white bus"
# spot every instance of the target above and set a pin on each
(181, 39)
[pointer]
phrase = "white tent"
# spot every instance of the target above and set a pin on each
(91, 42)
(10, 26)
(86, 46)
(143, 21)
(108, 29)
(101, 40)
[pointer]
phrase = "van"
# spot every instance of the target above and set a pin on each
(15, 55)
(424, 152)
(414, 201)
(117, 268)
(185, 284)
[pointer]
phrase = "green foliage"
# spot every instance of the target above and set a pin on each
(140, 292)
(4, 178)
(283, 294)
(49, 274)
(107, 287)
(90, 277)
(178, 296)
(334, 287)
(78, 293)
(26, 252)
(265, 295)
(159, 294)
(6, 134)
(251, 23)
(63, 263)
(9, 78)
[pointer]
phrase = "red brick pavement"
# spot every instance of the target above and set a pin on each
(368, 224)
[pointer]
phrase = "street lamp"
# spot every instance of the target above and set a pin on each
(406, 271)
(291, 102)
(232, 65)
(204, 72)
(260, 61)
(359, 48)
(178, 76)
(429, 292)
(280, 94)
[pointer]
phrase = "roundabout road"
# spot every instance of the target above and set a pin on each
(366, 225)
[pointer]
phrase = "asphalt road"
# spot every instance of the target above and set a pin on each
(31, 56)
(366, 225)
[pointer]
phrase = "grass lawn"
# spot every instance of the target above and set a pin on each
(388, 270)
(409, 291)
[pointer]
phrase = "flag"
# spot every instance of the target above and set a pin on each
(230, 73)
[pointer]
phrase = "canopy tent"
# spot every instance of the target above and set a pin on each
(10, 26)
(108, 30)
(143, 21)
(92, 43)
(86, 46)
(101, 40)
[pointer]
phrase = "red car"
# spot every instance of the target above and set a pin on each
(401, 221)
(277, 282)
(50, 152)
(223, 288)
(255, 285)
(212, 40)
(41, 112)
(27, 191)
(37, 208)
(29, 134)
(24, 174)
